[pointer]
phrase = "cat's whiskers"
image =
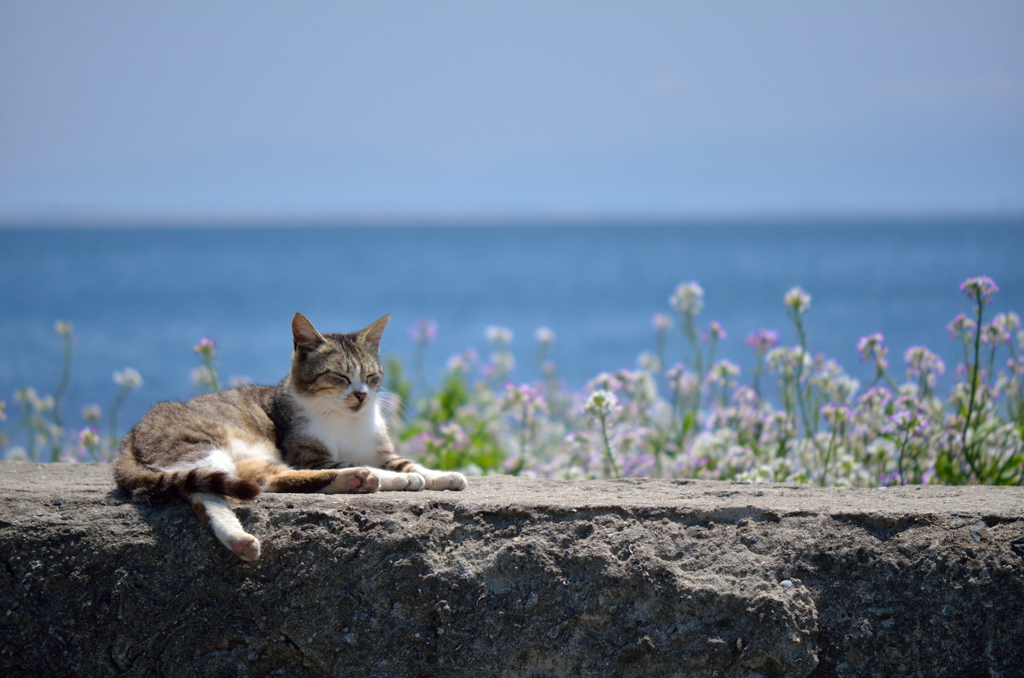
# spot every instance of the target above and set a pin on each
(390, 403)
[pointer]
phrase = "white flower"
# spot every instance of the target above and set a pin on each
(498, 335)
(92, 414)
(63, 328)
(798, 299)
(601, 403)
(649, 362)
(544, 335)
(202, 377)
(688, 299)
(661, 322)
(129, 378)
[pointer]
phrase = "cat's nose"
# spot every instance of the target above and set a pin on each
(360, 395)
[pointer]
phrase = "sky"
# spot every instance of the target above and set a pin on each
(126, 110)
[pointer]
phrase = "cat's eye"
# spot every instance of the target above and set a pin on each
(373, 379)
(342, 379)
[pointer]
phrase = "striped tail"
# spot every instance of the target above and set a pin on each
(145, 484)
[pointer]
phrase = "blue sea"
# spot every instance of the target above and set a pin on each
(142, 297)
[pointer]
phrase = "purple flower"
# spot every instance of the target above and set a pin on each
(871, 345)
(923, 364)
(835, 415)
(716, 331)
(762, 340)
(961, 326)
(994, 334)
(206, 346)
(423, 331)
(887, 479)
(979, 289)
(875, 398)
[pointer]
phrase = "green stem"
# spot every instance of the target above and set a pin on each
(899, 462)
(974, 388)
(607, 444)
(65, 378)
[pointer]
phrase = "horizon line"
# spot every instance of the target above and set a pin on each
(470, 218)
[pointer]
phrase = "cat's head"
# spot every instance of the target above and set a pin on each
(337, 371)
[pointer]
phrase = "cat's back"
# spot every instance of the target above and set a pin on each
(173, 432)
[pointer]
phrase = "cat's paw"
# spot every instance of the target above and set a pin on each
(398, 482)
(245, 546)
(363, 482)
(447, 481)
(416, 482)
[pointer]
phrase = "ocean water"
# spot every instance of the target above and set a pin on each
(142, 297)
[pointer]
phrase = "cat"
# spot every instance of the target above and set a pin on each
(321, 429)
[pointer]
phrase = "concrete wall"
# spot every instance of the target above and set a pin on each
(515, 577)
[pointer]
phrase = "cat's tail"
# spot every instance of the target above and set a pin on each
(141, 482)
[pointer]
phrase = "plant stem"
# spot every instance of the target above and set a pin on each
(974, 388)
(607, 444)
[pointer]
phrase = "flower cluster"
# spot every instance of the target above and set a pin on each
(693, 417)
(696, 418)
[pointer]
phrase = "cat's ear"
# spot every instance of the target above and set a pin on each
(305, 336)
(372, 334)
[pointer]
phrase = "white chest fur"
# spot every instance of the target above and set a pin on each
(350, 437)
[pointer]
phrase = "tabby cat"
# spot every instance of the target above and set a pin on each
(320, 430)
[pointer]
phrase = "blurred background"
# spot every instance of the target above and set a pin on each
(169, 171)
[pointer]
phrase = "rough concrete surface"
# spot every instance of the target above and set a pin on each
(515, 577)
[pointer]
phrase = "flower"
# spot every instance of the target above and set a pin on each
(63, 328)
(454, 435)
(524, 402)
(601, 403)
(498, 335)
(203, 377)
(871, 345)
(89, 437)
(979, 288)
(961, 326)
(835, 414)
(662, 322)
(501, 364)
(464, 362)
(128, 378)
(92, 414)
(688, 299)
(762, 340)
(206, 347)
(716, 331)
(797, 299)
(649, 362)
(723, 371)
(543, 335)
(423, 331)
(994, 334)
(923, 364)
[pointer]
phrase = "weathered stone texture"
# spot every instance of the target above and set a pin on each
(515, 577)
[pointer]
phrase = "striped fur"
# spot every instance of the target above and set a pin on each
(321, 429)
(146, 484)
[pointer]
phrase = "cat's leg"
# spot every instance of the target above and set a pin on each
(432, 480)
(216, 512)
(280, 478)
(391, 481)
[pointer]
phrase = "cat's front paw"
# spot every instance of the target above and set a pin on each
(448, 481)
(363, 482)
(416, 482)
